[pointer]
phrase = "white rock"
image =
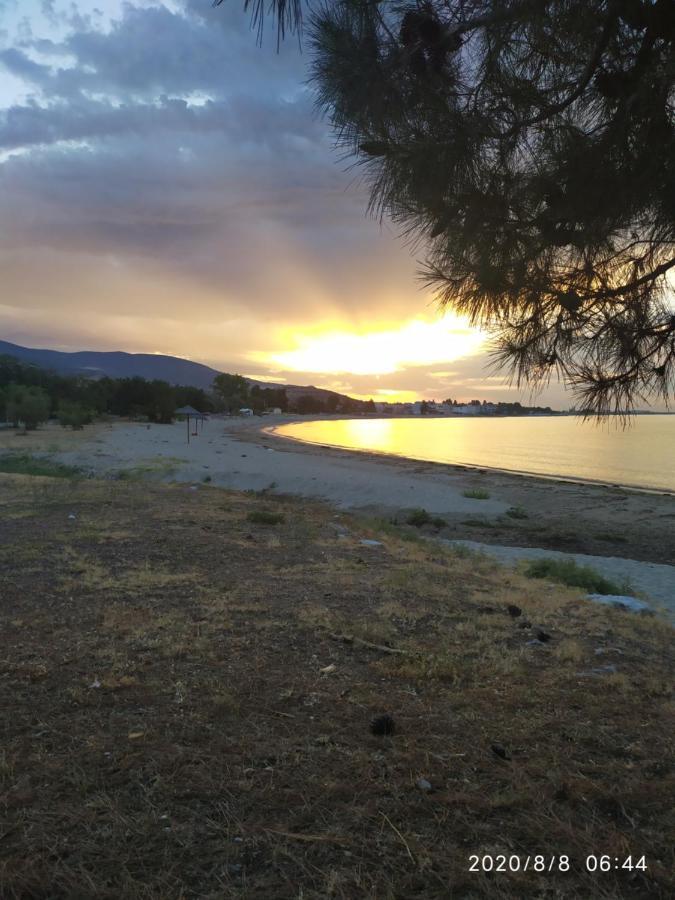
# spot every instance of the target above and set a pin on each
(617, 600)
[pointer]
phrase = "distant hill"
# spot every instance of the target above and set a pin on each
(117, 364)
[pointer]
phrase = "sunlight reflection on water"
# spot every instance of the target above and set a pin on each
(642, 455)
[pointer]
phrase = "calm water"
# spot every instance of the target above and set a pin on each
(641, 456)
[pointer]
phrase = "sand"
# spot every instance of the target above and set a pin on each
(634, 531)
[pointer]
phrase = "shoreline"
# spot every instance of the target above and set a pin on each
(462, 466)
(483, 506)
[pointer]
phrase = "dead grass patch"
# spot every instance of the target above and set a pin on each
(181, 721)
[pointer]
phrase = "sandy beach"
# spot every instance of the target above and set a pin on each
(610, 524)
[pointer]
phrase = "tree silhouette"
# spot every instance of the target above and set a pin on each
(529, 147)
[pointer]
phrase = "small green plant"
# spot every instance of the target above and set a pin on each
(567, 571)
(612, 537)
(516, 512)
(206, 479)
(263, 517)
(438, 522)
(418, 518)
(478, 523)
(476, 494)
(23, 464)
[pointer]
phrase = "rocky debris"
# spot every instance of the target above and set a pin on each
(424, 785)
(598, 670)
(500, 751)
(383, 725)
(620, 601)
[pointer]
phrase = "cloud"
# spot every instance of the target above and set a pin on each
(166, 184)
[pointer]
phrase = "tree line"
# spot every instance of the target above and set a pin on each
(30, 395)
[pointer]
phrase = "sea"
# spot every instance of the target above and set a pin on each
(641, 455)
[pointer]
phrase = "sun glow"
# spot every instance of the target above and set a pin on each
(415, 343)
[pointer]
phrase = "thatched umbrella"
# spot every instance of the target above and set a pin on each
(190, 413)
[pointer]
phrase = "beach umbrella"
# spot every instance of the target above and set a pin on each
(190, 413)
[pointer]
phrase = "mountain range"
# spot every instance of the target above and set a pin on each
(118, 364)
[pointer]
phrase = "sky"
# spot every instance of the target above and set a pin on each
(166, 186)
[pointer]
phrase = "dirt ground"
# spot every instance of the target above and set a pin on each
(189, 677)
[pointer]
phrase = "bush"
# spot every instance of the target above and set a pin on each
(23, 464)
(516, 512)
(418, 517)
(476, 494)
(27, 406)
(566, 571)
(262, 517)
(73, 414)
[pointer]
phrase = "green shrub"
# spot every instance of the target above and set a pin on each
(476, 494)
(516, 512)
(73, 415)
(23, 464)
(27, 406)
(567, 571)
(263, 517)
(418, 517)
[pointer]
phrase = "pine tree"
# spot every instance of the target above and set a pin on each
(529, 146)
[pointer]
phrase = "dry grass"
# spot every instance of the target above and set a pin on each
(180, 721)
(48, 438)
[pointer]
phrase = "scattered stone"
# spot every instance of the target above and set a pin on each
(135, 735)
(327, 670)
(383, 725)
(514, 611)
(424, 785)
(500, 751)
(598, 670)
(368, 543)
(543, 637)
(600, 650)
(95, 683)
(619, 601)
(342, 530)
(72, 516)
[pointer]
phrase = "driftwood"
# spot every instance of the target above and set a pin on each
(382, 648)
